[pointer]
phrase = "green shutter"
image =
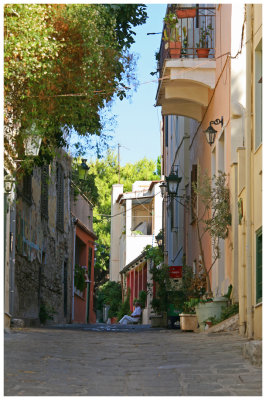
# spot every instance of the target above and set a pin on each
(259, 266)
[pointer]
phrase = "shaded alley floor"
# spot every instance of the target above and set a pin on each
(117, 362)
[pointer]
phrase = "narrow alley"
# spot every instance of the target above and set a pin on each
(125, 362)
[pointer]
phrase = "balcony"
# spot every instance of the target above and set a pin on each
(186, 76)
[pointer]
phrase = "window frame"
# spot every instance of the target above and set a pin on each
(259, 266)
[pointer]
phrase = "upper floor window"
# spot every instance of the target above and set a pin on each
(60, 197)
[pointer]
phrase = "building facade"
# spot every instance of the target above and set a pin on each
(136, 220)
(43, 254)
(222, 90)
(83, 257)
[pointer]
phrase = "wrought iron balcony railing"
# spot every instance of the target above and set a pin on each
(192, 34)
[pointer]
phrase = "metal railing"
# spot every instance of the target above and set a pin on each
(191, 34)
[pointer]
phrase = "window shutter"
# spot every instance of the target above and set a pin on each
(259, 267)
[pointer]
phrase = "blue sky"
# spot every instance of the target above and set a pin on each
(137, 127)
(138, 120)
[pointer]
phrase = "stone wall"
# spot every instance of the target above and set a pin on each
(43, 262)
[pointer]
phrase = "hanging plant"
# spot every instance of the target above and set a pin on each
(79, 278)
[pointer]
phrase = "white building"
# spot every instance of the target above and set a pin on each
(136, 220)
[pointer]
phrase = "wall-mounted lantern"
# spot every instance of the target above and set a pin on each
(172, 182)
(163, 188)
(211, 132)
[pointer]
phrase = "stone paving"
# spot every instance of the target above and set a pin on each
(106, 360)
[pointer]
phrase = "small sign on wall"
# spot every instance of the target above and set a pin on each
(175, 271)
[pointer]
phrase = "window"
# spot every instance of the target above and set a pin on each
(259, 266)
(44, 190)
(27, 188)
(60, 197)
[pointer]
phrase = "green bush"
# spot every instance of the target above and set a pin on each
(79, 278)
(46, 312)
(124, 308)
(142, 298)
(110, 294)
(227, 312)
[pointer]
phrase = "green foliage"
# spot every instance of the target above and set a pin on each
(137, 232)
(213, 215)
(127, 16)
(110, 294)
(142, 298)
(46, 312)
(226, 313)
(160, 276)
(204, 33)
(189, 306)
(79, 278)
(153, 253)
(125, 307)
(63, 63)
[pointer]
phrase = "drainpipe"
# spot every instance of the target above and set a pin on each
(248, 138)
(12, 253)
(74, 221)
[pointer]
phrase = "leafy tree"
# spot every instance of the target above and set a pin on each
(212, 216)
(63, 64)
(110, 293)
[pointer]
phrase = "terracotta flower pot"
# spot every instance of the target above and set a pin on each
(203, 53)
(175, 49)
(186, 13)
(188, 322)
(114, 320)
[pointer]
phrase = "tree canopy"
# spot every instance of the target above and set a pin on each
(63, 63)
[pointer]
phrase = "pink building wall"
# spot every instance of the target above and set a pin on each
(200, 151)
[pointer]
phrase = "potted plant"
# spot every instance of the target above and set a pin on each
(211, 215)
(186, 12)
(202, 46)
(171, 35)
(188, 317)
(184, 42)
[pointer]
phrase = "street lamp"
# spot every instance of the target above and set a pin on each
(211, 132)
(163, 188)
(9, 181)
(172, 182)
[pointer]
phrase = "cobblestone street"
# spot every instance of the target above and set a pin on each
(139, 362)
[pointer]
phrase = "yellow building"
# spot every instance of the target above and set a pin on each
(250, 184)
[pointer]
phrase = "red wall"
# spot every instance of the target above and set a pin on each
(80, 303)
